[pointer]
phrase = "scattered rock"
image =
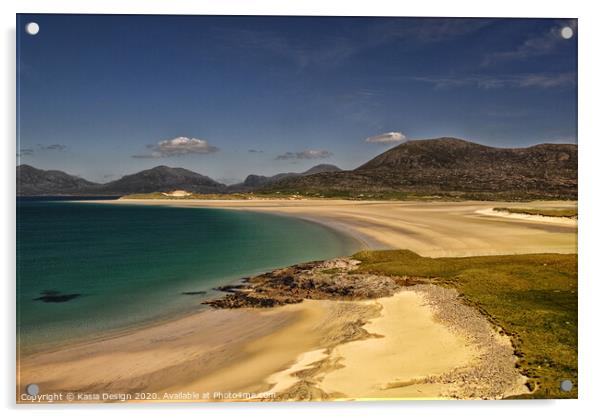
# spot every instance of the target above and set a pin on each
(230, 287)
(54, 296)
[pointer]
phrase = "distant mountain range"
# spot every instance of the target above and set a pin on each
(443, 166)
(35, 182)
(254, 181)
(452, 167)
(31, 182)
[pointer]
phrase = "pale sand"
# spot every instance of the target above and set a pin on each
(415, 348)
(412, 346)
(433, 229)
(285, 379)
(407, 345)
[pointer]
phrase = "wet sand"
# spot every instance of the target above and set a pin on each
(434, 229)
(211, 350)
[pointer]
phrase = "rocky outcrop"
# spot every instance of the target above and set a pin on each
(335, 279)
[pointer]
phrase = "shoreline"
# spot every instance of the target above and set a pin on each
(348, 245)
(433, 229)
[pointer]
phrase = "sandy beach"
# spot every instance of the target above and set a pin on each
(435, 229)
(246, 343)
(400, 346)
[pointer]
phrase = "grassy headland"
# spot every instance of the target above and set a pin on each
(552, 212)
(533, 298)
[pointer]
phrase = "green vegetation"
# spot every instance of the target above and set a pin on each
(332, 271)
(350, 195)
(354, 195)
(532, 297)
(556, 213)
(358, 193)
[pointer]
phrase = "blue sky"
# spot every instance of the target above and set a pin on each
(104, 96)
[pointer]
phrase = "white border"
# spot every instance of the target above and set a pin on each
(590, 204)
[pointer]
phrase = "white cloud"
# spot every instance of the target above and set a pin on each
(387, 138)
(177, 147)
(309, 154)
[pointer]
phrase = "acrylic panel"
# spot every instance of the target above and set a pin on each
(272, 208)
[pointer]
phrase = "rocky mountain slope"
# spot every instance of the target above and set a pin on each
(452, 167)
(32, 181)
(163, 179)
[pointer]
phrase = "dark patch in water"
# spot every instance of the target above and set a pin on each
(54, 296)
(197, 292)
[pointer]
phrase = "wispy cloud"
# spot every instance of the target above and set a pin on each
(501, 81)
(505, 112)
(546, 80)
(302, 54)
(52, 147)
(309, 154)
(363, 106)
(387, 138)
(41, 147)
(25, 152)
(432, 30)
(334, 51)
(542, 44)
(255, 151)
(178, 147)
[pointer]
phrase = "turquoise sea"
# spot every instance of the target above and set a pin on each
(85, 269)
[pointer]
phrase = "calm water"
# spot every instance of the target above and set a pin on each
(130, 264)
